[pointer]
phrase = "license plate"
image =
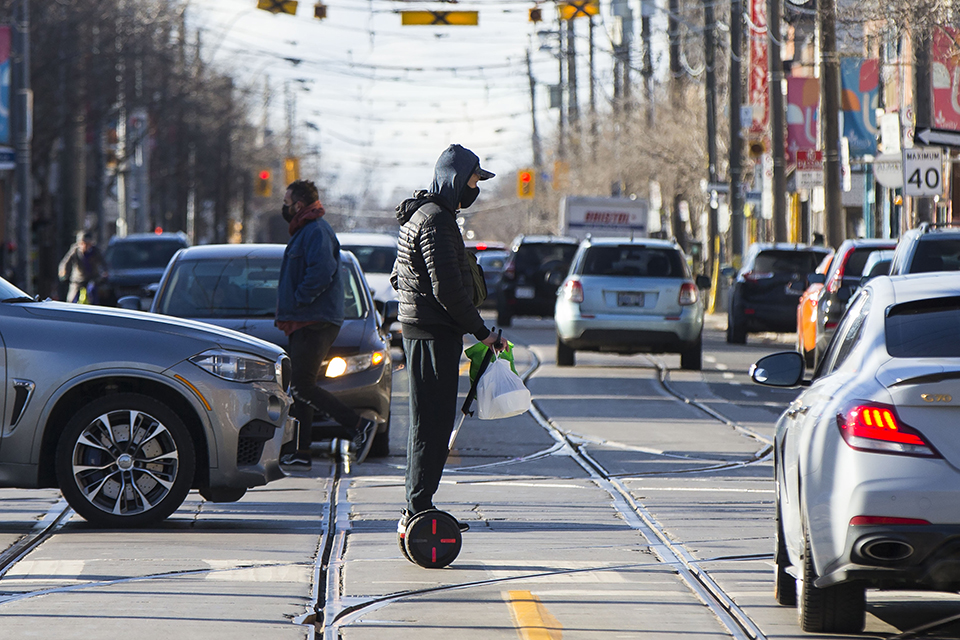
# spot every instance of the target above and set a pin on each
(525, 292)
(629, 299)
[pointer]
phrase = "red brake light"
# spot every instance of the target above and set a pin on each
(867, 520)
(481, 246)
(688, 294)
(875, 427)
(573, 291)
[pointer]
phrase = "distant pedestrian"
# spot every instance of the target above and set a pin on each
(83, 267)
(435, 287)
(310, 311)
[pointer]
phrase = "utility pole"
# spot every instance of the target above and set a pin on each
(573, 108)
(647, 7)
(562, 114)
(23, 196)
(736, 141)
(676, 72)
(777, 124)
(709, 47)
(830, 92)
(593, 75)
(923, 211)
(535, 136)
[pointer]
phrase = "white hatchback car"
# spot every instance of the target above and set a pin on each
(630, 296)
(867, 459)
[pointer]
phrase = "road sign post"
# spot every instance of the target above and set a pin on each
(923, 171)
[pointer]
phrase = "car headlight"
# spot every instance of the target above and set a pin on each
(340, 366)
(237, 367)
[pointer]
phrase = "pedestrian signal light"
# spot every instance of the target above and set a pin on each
(264, 186)
(526, 184)
(536, 14)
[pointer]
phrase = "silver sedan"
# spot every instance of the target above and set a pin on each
(867, 459)
(125, 412)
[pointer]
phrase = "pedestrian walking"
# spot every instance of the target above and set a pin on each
(435, 287)
(83, 267)
(310, 312)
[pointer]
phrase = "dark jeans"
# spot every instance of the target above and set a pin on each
(307, 349)
(433, 370)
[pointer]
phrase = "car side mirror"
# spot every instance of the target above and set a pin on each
(728, 272)
(391, 311)
(816, 278)
(703, 282)
(130, 302)
(784, 369)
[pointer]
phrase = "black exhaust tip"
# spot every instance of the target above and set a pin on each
(886, 550)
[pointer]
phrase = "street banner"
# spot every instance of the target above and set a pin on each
(758, 84)
(859, 101)
(803, 96)
(945, 69)
(5, 84)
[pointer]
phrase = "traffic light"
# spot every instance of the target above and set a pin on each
(319, 11)
(291, 170)
(536, 14)
(264, 184)
(278, 6)
(756, 148)
(526, 184)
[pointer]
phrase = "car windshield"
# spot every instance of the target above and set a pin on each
(10, 292)
(924, 329)
(937, 254)
(627, 260)
(533, 256)
(492, 260)
(857, 260)
(239, 288)
(775, 261)
(374, 259)
(146, 254)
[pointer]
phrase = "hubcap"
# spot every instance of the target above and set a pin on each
(125, 462)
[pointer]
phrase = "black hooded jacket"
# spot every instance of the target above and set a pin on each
(431, 275)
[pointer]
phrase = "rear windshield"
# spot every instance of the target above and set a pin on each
(936, 255)
(857, 260)
(149, 254)
(534, 256)
(374, 259)
(238, 288)
(775, 261)
(631, 260)
(924, 329)
(492, 260)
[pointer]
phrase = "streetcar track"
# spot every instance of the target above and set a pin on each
(45, 528)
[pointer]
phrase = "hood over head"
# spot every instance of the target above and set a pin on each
(449, 189)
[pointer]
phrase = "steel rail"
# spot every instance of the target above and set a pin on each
(42, 531)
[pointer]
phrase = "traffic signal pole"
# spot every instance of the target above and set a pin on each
(23, 117)
(777, 122)
(736, 141)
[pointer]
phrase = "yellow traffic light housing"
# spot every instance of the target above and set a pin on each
(319, 11)
(526, 184)
(536, 14)
(278, 6)
(756, 148)
(264, 184)
(291, 170)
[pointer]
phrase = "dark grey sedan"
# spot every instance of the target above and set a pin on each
(235, 286)
(126, 412)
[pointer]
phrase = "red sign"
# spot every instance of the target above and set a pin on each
(803, 98)
(945, 72)
(809, 160)
(758, 80)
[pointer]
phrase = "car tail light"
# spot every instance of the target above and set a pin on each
(509, 269)
(875, 427)
(688, 293)
(573, 291)
(753, 276)
(867, 520)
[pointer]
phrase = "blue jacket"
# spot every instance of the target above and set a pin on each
(310, 289)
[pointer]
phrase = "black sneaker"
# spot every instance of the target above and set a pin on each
(402, 522)
(299, 460)
(366, 431)
(463, 526)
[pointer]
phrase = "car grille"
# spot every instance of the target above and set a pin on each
(250, 443)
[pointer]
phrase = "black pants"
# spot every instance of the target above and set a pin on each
(307, 349)
(433, 370)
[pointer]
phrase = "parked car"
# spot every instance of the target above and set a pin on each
(492, 262)
(533, 272)
(866, 459)
(929, 247)
(235, 286)
(126, 412)
(630, 296)
(137, 261)
(767, 289)
(877, 264)
(807, 312)
(842, 281)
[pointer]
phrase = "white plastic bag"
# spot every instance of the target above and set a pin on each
(500, 392)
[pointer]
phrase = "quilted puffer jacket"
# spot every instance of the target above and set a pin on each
(431, 274)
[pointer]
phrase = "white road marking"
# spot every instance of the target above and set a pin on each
(747, 392)
(727, 375)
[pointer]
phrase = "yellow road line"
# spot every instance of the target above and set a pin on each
(532, 619)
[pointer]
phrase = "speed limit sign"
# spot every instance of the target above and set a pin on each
(923, 171)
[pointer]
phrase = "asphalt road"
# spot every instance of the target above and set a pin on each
(590, 517)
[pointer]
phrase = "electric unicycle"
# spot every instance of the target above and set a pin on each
(432, 539)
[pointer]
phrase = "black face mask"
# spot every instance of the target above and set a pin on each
(469, 196)
(287, 212)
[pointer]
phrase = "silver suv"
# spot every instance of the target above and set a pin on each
(929, 247)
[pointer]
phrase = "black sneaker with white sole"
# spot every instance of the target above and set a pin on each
(363, 440)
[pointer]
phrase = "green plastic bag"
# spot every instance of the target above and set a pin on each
(476, 353)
